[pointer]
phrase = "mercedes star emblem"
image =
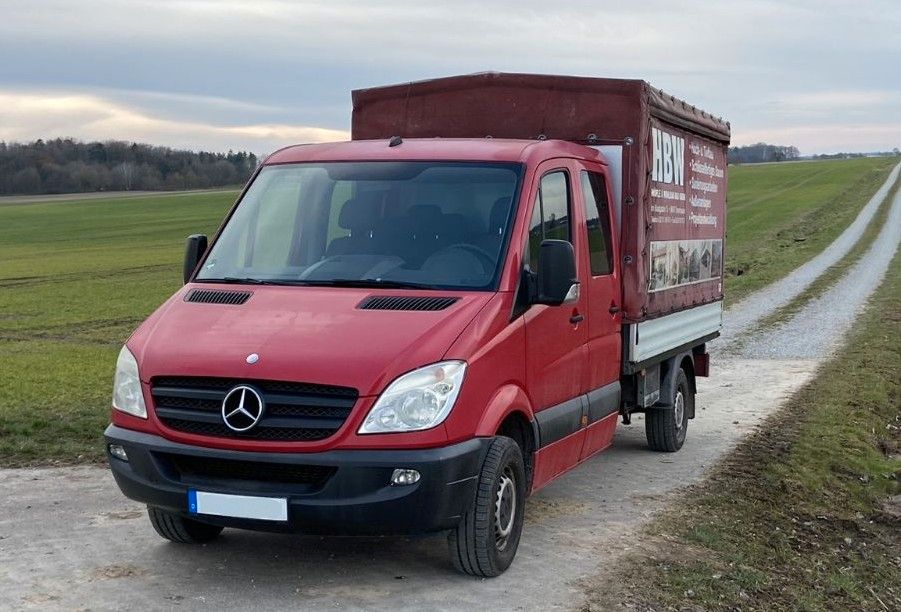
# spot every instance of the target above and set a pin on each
(242, 408)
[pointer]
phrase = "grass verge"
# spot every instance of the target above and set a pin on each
(806, 513)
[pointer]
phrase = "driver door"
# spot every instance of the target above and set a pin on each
(556, 336)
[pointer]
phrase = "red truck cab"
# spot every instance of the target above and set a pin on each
(400, 335)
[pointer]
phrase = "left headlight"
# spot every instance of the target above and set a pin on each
(127, 395)
(418, 400)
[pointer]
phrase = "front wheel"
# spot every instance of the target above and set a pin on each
(666, 428)
(485, 541)
(179, 529)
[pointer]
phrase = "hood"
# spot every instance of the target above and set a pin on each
(301, 334)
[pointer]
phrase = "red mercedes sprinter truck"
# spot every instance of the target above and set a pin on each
(412, 331)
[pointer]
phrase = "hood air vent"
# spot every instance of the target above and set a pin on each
(391, 302)
(208, 296)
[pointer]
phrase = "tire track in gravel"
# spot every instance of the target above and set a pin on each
(820, 325)
(741, 317)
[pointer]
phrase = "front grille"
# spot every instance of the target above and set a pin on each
(192, 469)
(294, 412)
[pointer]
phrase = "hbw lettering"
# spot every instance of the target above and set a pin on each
(669, 156)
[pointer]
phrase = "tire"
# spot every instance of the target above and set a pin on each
(485, 541)
(666, 429)
(177, 528)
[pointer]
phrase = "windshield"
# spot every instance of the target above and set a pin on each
(402, 224)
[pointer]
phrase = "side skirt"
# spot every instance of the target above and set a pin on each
(558, 458)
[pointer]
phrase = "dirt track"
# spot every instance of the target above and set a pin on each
(69, 540)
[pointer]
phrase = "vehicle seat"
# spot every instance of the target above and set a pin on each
(454, 230)
(497, 220)
(423, 223)
(358, 215)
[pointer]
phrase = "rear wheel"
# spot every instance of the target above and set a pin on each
(179, 529)
(485, 541)
(666, 428)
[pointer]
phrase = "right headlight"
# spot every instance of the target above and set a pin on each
(127, 394)
(418, 400)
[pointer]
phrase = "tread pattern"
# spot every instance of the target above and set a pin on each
(660, 425)
(471, 544)
(179, 529)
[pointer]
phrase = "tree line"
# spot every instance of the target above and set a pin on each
(762, 152)
(65, 165)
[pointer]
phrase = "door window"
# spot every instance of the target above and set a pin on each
(550, 214)
(597, 216)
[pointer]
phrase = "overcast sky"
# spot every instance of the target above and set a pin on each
(823, 75)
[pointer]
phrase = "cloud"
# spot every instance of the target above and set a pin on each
(832, 102)
(28, 116)
(762, 64)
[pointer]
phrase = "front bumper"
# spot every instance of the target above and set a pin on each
(355, 497)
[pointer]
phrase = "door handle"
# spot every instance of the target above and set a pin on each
(576, 318)
(613, 309)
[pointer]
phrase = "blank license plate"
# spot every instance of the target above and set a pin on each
(238, 506)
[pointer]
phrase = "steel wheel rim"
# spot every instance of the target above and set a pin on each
(679, 409)
(504, 508)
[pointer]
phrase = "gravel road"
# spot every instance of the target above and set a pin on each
(819, 326)
(761, 303)
(69, 540)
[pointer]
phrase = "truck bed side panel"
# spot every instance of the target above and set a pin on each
(675, 232)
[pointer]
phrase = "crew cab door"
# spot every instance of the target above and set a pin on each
(556, 336)
(602, 288)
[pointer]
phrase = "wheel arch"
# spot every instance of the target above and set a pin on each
(509, 413)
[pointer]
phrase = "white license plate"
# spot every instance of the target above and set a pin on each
(238, 506)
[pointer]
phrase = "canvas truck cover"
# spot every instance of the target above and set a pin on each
(673, 163)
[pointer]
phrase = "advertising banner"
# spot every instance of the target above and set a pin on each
(686, 212)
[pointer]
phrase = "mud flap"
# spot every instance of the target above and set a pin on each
(668, 384)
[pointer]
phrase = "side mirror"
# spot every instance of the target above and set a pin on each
(194, 250)
(557, 280)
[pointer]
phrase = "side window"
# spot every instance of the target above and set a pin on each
(550, 215)
(597, 215)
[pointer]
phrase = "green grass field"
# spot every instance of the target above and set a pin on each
(781, 215)
(77, 276)
(75, 279)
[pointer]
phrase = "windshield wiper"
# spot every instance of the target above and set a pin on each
(333, 282)
(249, 281)
(367, 283)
